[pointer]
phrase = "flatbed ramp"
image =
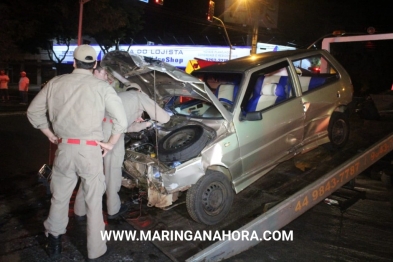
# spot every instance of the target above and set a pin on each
(291, 208)
(290, 189)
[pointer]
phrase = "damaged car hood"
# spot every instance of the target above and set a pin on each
(156, 78)
(159, 80)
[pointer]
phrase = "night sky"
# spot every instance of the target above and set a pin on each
(299, 21)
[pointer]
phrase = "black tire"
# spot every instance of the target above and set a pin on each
(338, 130)
(210, 199)
(182, 144)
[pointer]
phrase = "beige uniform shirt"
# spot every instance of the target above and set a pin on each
(135, 103)
(76, 104)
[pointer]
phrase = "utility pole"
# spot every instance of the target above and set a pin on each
(255, 19)
(81, 2)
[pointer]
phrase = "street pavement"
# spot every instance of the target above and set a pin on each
(14, 104)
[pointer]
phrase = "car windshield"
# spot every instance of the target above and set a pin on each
(225, 86)
(196, 108)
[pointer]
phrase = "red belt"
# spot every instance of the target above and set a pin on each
(78, 141)
(110, 120)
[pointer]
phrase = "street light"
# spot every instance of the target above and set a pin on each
(81, 2)
(229, 41)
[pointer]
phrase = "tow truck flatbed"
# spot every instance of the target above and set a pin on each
(276, 199)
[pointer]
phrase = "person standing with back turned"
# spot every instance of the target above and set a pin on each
(135, 103)
(76, 104)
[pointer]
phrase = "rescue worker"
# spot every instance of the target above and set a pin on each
(76, 104)
(135, 103)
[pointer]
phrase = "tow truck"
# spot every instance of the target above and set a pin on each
(300, 184)
(266, 208)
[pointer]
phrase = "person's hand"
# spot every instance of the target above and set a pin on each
(139, 119)
(54, 139)
(49, 134)
(105, 146)
(150, 123)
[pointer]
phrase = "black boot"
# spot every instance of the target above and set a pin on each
(54, 246)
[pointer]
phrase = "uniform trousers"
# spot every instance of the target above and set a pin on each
(113, 162)
(73, 161)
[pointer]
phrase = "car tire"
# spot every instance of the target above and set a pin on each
(338, 130)
(210, 199)
(182, 144)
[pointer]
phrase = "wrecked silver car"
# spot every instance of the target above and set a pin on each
(230, 123)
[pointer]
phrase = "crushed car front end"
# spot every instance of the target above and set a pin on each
(168, 158)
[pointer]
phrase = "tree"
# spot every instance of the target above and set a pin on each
(41, 23)
(35, 25)
(63, 19)
(112, 22)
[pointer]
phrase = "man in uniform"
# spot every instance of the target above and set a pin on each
(135, 103)
(76, 104)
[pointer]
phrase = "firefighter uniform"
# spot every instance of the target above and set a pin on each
(75, 104)
(134, 103)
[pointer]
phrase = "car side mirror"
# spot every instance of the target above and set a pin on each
(251, 116)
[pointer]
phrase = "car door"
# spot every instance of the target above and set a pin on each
(321, 90)
(270, 124)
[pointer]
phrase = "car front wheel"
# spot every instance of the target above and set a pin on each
(210, 199)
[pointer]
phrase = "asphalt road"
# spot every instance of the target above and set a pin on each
(24, 203)
(362, 232)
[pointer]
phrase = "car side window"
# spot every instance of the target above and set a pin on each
(267, 88)
(314, 72)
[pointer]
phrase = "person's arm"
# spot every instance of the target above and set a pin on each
(153, 110)
(37, 110)
(108, 146)
(138, 126)
(114, 108)
(49, 134)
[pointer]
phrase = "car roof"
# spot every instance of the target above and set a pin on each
(244, 63)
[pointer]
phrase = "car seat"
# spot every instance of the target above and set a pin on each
(226, 93)
(267, 92)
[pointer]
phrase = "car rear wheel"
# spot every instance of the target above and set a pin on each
(210, 199)
(338, 130)
(182, 144)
